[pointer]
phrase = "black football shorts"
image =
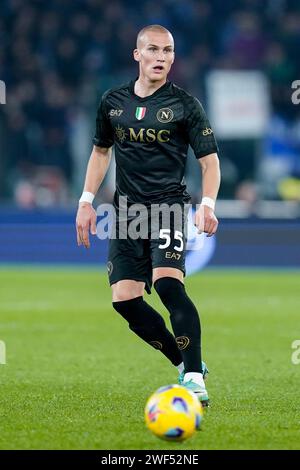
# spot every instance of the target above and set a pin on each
(163, 246)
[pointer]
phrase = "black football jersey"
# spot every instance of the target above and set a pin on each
(151, 136)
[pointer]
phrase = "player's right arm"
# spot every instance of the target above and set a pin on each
(86, 215)
(97, 167)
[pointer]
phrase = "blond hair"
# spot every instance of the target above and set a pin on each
(153, 27)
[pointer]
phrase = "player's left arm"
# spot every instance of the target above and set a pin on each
(202, 140)
(205, 219)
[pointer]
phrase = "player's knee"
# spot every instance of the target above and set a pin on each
(122, 295)
(122, 292)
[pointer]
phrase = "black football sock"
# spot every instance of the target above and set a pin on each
(149, 325)
(184, 319)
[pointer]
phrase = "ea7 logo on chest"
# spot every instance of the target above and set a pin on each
(115, 112)
(165, 115)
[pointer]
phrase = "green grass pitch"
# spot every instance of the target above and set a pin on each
(77, 378)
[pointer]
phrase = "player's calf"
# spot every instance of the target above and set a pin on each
(145, 322)
(184, 319)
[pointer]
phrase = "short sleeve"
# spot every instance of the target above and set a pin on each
(104, 133)
(198, 129)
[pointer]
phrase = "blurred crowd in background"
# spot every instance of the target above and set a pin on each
(57, 58)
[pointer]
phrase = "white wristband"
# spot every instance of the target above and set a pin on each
(209, 202)
(87, 197)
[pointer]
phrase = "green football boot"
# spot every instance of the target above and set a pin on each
(204, 370)
(199, 390)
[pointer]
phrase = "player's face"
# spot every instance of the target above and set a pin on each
(155, 54)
